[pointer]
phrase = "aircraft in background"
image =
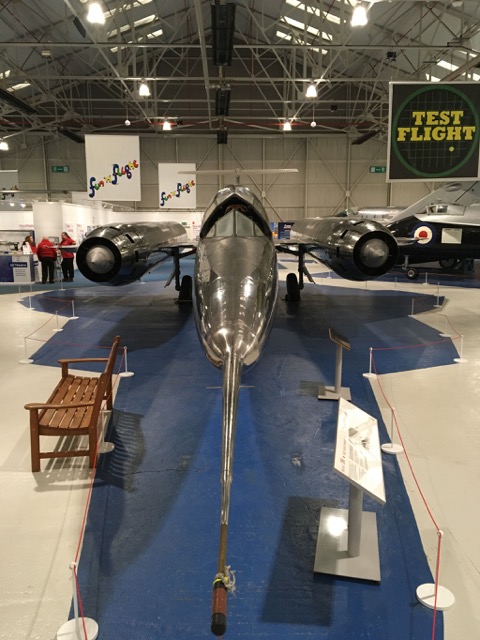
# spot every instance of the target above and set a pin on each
(443, 227)
(236, 288)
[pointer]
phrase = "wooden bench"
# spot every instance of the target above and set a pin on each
(73, 409)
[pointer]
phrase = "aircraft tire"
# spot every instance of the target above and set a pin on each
(185, 293)
(448, 264)
(411, 273)
(293, 290)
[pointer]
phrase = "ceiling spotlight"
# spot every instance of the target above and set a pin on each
(359, 15)
(46, 53)
(95, 14)
(311, 91)
(3, 145)
(167, 125)
(287, 126)
(313, 124)
(127, 122)
(143, 90)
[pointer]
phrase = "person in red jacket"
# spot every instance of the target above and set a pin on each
(47, 255)
(67, 257)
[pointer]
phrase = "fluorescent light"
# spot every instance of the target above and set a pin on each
(95, 13)
(3, 145)
(311, 91)
(359, 16)
(143, 90)
(287, 126)
(167, 125)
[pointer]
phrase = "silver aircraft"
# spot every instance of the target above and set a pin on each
(236, 289)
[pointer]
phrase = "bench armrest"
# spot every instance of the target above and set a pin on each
(74, 405)
(67, 360)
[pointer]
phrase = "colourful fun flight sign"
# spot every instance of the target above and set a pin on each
(177, 185)
(434, 131)
(113, 167)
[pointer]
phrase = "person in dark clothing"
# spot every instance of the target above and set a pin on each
(67, 257)
(47, 255)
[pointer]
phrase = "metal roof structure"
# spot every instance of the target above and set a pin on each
(60, 75)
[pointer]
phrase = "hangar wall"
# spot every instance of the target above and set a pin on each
(332, 174)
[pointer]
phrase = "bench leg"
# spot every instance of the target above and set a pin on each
(34, 441)
(92, 446)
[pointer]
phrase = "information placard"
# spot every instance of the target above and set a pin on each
(357, 450)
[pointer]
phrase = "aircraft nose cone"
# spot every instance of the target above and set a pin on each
(100, 259)
(374, 253)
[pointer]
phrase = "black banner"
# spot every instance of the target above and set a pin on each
(434, 131)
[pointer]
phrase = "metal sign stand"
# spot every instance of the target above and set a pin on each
(336, 392)
(347, 543)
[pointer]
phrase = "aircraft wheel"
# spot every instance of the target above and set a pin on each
(185, 293)
(448, 264)
(411, 273)
(293, 290)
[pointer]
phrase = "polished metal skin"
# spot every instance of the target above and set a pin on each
(122, 253)
(354, 248)
(236, 290)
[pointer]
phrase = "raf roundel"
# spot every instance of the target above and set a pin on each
(423, 234)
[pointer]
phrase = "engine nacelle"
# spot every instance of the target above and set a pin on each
(121, 253)
(355, 248)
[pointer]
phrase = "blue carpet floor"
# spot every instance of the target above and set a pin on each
(149, 555)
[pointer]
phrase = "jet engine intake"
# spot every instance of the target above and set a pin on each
(122, 253)
(355, 248)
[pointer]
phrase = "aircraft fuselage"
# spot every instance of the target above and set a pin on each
(437, 239)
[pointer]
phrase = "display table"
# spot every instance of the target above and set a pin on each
(17, 268)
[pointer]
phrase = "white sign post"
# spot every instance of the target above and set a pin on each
(347, 543)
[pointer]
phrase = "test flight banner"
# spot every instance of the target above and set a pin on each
(178, 185)
(434, 131)
(113, 167)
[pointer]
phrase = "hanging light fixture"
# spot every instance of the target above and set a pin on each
(95, 14)
(167, 126)
(311, 91)
(143, 89)
(287, 125)
(3, 145)
(359, 15)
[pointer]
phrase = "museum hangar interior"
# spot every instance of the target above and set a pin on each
(242, 90)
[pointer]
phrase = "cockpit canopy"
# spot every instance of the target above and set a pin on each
(439, 209)
(235, 211)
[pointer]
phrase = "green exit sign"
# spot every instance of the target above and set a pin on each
(378, 169)
(60, 169)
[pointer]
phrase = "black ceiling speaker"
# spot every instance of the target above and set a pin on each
(223, 29)
(80, 28)
(365, 137)
(222, 101)
(222, 136)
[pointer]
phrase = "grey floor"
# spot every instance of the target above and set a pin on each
(438, 415)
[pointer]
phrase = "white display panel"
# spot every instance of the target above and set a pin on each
(113, 168)
(177, 185)
(357, 450)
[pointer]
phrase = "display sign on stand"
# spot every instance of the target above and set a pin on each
(347, 543)
(336, 392)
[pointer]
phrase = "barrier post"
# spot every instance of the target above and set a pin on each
(370, 374)
(126, 373)
(461, 359)
(437, 304)
(433, 595)
(76, 628)
(56, 318)
(73, 316)
(390, 447)
(25, 360)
